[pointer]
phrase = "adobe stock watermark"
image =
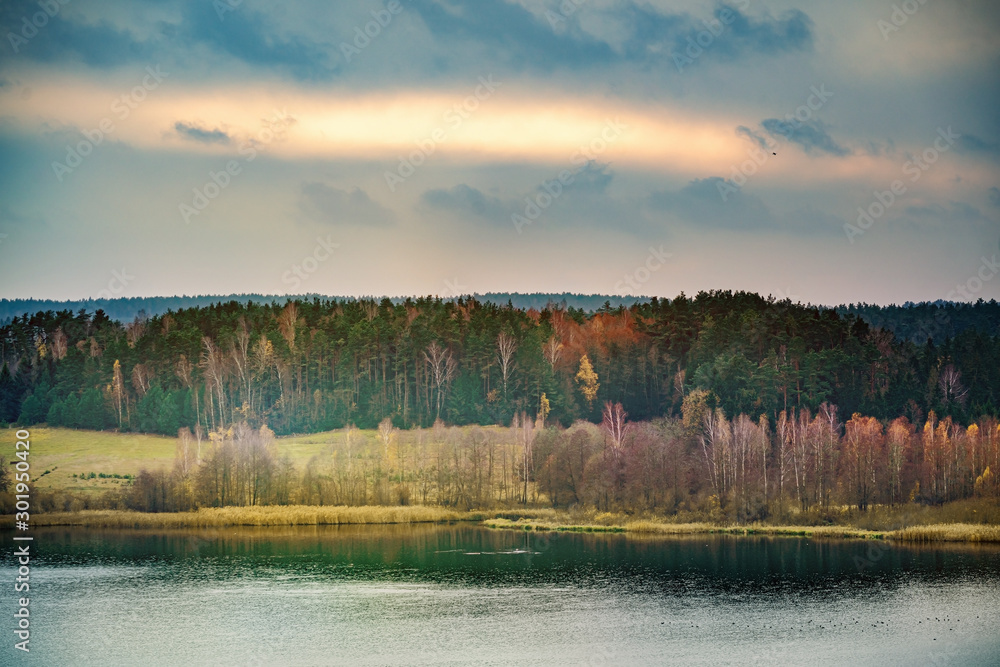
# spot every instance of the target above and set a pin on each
(655, 261)
(119, 281)
(900, 15)
(915, 169)
(987, 271)
(38, 20)
(300, 272)
(223, 7)
(702, 41)
(122, 107)
(453, 289)
(549, 191)
(786, 295)
(566, 9)
(274, 128)
(741, 173)
(363, 37)
(454, 118)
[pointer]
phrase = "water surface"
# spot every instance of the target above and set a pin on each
(455, 595)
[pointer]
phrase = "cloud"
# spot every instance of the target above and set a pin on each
(953, 211)
(328, 204)
(811, 135)
(701, 202)
(592, 178)
(644, 35)
(759, 140)
(995, 196)
(204, 136)
(735, 35)
(467, 200)
(249, 36)
(969, 143)
(100, 45)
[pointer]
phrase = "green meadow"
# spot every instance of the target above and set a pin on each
(57, 454)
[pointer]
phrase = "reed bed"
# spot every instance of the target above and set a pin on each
(255, 516)
(524, 520)
(542, 526)
(952, 532)
(938, 533)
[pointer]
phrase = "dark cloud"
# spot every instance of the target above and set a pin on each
(759, 140)
(714, 202)
(56, 38)
(524, 40)
(970, 143)
(811, 135)
(202, 135)
(583, 196)
(249, 36)
(995, 196)
(497, 36)
(951, 211)
(328, 204)
(592, 178)
(467, 200)
(730, 35)
(511, 33)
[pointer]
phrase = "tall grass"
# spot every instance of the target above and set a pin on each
(957, 532)
(295, 515)
(953, 532)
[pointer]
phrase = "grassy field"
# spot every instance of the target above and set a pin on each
(58, 453)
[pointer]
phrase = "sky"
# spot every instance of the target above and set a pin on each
(824, 152)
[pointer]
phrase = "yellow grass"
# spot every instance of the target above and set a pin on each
(952, 532)
(65, 452)
(940, 533)
(296, 515)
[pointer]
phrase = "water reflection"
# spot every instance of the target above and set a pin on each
(460, 594)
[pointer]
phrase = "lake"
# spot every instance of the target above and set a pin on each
(461, 594)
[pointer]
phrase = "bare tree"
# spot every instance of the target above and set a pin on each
(552, 351)
(524, 436)
(59, 344)
(615, 426)
(442, 367)
(238, 350)
(951, 385)
(215, 371)
(506, 346)
(118, 389)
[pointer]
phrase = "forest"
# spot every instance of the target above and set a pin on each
(726, 398)
(308, 366)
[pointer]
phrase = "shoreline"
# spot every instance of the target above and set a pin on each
(510, 520)
(932, 533)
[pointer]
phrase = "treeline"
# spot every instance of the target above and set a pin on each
(125, 309)
(939, 320)
(701, 465)
(309, 366)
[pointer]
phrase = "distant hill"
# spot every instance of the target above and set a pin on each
(917, 322)
(126, 309)
(937, 320)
